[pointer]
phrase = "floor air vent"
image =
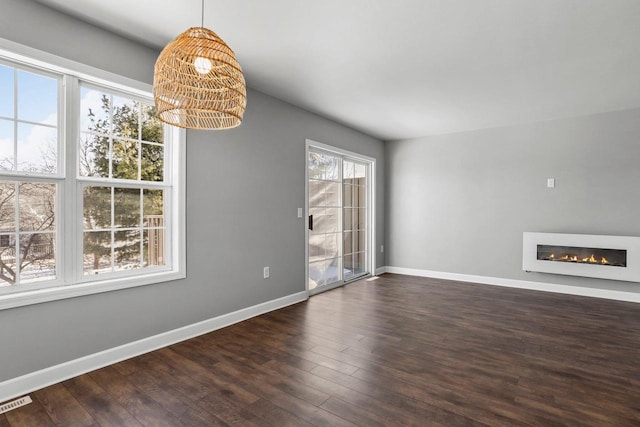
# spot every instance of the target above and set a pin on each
(15, 404)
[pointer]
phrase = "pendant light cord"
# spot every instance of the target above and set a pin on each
(202, 15)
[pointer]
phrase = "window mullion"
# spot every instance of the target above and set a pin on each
(141, 228)
(139, 141)
(113, 229)
(69, 214)
(122, 183)
(15, 120)
(110, 138)
(16, 269)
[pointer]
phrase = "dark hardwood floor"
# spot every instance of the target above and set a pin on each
(398, 350)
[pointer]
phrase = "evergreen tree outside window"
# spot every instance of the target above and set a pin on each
(122, 145)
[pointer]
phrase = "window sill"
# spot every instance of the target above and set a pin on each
(37, 296)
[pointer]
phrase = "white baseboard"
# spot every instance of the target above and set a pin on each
(522, 284)
(381, 270)
(24, 384)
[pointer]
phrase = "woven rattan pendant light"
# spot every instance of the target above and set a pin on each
(198, 83)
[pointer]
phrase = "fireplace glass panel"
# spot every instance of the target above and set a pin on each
(578, 255)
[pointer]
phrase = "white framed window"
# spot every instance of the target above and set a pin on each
(91, 182)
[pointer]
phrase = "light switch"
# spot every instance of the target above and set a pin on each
(299, 212)
(551, 182)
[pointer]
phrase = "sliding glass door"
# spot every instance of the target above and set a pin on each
(338, 219)
(325, 219)
(354, 218)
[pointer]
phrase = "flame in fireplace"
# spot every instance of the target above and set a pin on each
(573, 258)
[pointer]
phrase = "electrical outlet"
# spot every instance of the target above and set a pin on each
(266, 272)
(381, 248)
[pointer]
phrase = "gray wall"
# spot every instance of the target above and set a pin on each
(459, 203)
(243, 190)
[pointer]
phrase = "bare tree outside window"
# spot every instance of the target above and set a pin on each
(30, 251)
(28, 148)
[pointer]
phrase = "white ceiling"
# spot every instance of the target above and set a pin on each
(409, 68)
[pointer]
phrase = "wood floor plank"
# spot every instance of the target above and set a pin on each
(32, 414)
(230, 412)
(63, 408)
(136, 402)
(102, 406)
(384, 409)
(184, 407)
(175, 379)
(399, 350)
(285, 384)
(425, 403)
(275, 415)
(302, 409)
(205, 376)
(355, 414)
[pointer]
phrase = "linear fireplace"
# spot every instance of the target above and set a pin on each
(599, 256)
(606, 257)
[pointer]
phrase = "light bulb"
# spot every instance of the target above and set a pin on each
(202, 65)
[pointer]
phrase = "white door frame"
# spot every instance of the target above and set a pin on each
(371, 211)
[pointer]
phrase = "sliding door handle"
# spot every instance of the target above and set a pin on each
(311, 222)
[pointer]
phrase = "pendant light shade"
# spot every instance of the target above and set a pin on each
(198, 84)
